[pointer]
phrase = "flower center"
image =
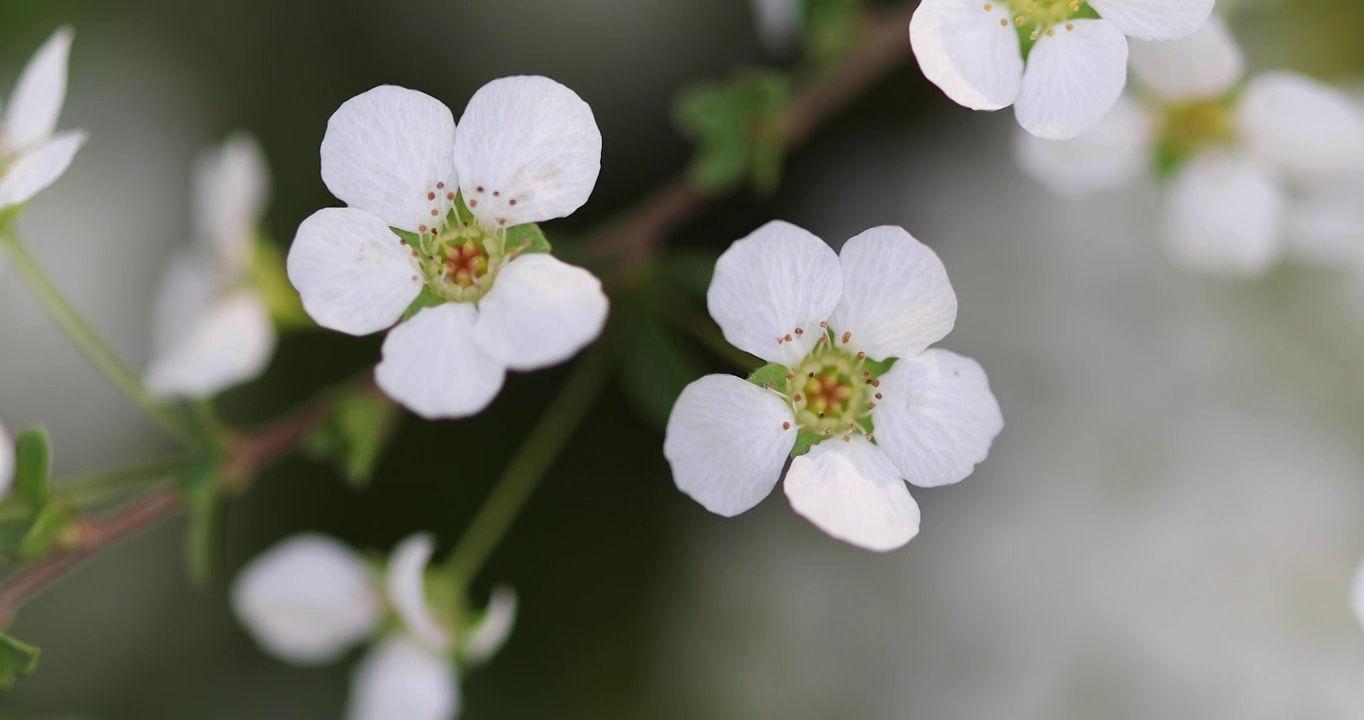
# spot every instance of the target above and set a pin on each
(1189, 127)
(1035, 18)
(832, 391)
(458, 258)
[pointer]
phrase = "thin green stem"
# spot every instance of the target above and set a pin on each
(89, 342)
(94, 489)
(536, 455)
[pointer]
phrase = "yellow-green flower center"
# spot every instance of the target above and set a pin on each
(832, 391)
(1035, 18)
(1191, 127)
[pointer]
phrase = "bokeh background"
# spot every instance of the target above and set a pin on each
(1167, 527)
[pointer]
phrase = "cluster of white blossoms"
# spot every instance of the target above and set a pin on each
(310, 599)
(1254, 166)
(1062, 64)
(213, 329)
(434, 212)
(32, 154)
(854, 391)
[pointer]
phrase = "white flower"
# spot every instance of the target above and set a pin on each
(778, 24)
(310, 599)
(1357, 594)
(1238, 156)
(832, 321)
(1075, 69)
(32, 157)
(527, 150)
(6, 462)
(212, 326)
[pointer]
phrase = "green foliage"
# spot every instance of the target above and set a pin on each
(656, 367)
(355, 434)
(271, 280)
(31, 522)
(739, 127)
(831, 28)
(772, 375)
(203, 527)
(17, 660)
(527, 238)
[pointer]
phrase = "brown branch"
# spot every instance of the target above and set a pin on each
(632, 238)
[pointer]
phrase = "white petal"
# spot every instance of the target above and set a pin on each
(1106, 157)
(488, 636)
(1225, 216)
(434, 367)
(778, 24)
(400, 680)
(231, 186)
(528, 151)
(229, 344)
(1072, 79)
(307, 600)
(970, 52)
(1301, 126)
(38, 96)
(540, 312)
(1155, 19)
(727, 441)
(897, 299)
(851, 491)
(770, 283)
(387, 151)
(1326, 224)
(1357, 594)
(405, 583)
(1201, 66)
(938, 417)
(352, 272)
(36, 170)
(6, 462)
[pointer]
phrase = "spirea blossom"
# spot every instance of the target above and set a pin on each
(853, 381)
(6, 462)
(1061, 63)
(526, 150)
(310, 599)
(1239, 157)
(32, 154)
(213, 328)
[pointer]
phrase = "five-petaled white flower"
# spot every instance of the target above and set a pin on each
(1237, 156)
(527, 150)
(832, 323)
(213, 328)
(1075, 50)
(31, 156)
(310, 599)
(6, 462)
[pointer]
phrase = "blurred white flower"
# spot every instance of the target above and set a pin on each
(1237, 155)
(528, 150)
(831, 322)
(310, 599)
(1076, 63)
(32, 157)
(1357, 594)
(213, 328)
(778, 23)
(6, 462)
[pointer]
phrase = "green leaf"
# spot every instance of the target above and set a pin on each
(17, 660)
(355, 434)
(527, 238)
(271, 280)
(425, 300)
(203, 527)
(771, 375)
(33, 466)
(49, 525)
(739, 127)
(655, 368)
(33, 522)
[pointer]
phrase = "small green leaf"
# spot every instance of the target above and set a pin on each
(771, 375)
(17, 660)
(33, 464)
(805, 439)
(425, 300)
(739, 127)
(527, 238)
(271, 280)
(49, 524)
(655, 368)
(355, 434)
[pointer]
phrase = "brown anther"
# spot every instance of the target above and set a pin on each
(989, 7)
(790, 376)
(811, 374)
(823, 324)
(502, 221)
(846, 337)
(788, 337)
(440, 186)
(786, 426)
(861, 356)
(431, 196)
(478, 189)
(871, 406)
(473, 203)
(866, 373)
(847, 438)
(1070, 27)
(434, 212)
(797, 397)
(800, 331)
(416, 254)
(512, 201)
(421, 228)
(878, 396)
(497, 193)
(876, 383)
(1004, 22)
(402, 241)
(828, 431)
(449, 196)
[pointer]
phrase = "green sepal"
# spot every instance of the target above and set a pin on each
(655, 368)
(33, 467)
(877, 368)
(270, 277)
(739, 127)
(771, 376)
(17, 659)
(355, 434)
(805, 439)
(425, 300)
(34, 523)
(526, 238)
(203, 526)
